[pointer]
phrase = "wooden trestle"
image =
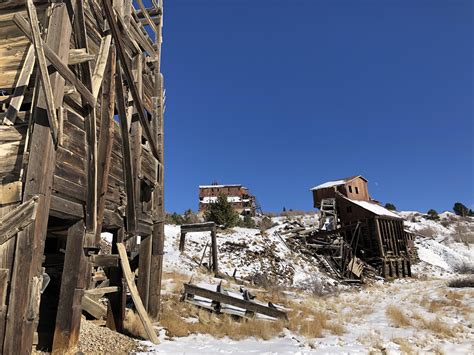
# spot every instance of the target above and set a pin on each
(81, 152)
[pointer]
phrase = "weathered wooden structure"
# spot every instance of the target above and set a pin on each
(202, 227)
(370, 231)
(81, 152)
(242, 201)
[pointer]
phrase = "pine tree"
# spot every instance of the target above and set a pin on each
(460, 209)
(222, 213)
(432, 214)
(390, 206)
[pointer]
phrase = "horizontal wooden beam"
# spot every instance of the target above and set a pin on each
(109, 260)
(17, 219)
(62, 68)
(101, 290)
(198, 227)
(241, 303)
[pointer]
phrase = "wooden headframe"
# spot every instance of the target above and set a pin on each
(81, 152)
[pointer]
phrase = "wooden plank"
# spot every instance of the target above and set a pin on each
(101, 291)
(223, 298)
(126, 152)
(73, 280)
(102, 60)
(94, 308)
(17, 219)
(20, 88)
(105, 260)
(79, 56)
(62, 68)
(10, 192)
(106, 138)
(129, 76)
(43, 69)
(147, 325)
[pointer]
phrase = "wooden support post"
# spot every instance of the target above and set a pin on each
(73, 283)
(144, 260)
(91, 131)
(38, 181)
(127, 159)
(106, 138)
(158, 234)
(182, 240)
(147, 325)
(215, 266)
(116, 304)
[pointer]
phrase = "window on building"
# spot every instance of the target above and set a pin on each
(357, 190)
(350, 188)
(349, 209)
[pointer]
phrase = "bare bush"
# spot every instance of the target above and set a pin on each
(462, 282)
(463, 233)
(427, 232)
(265, 223)
(465, 268)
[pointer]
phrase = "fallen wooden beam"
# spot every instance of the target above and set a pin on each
(194, 290)
(127, 272)
(62, 68)
(94, 308)
(18, 219)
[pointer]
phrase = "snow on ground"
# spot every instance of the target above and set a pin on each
(254, 255)
(367, 325)
(425, 300)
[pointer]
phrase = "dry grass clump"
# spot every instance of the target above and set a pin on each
(133, 324)
(437, 326)
(405, 346)
(398, 318)
(175, 319)
(309, 322)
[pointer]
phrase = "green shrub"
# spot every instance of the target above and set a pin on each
(432, 214)
(390, 206)
(222, 213)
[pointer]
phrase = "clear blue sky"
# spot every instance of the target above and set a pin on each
(283, 95)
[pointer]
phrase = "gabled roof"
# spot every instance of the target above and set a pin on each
(374, 208)
(337, 182)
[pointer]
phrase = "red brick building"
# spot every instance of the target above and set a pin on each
(239, 196)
